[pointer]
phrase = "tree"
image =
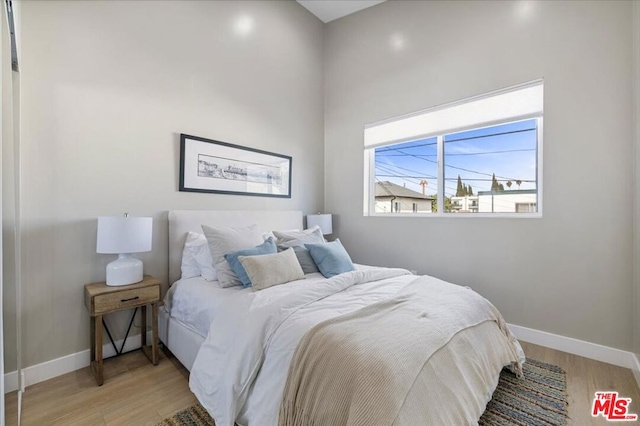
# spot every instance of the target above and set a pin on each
(460, 190)
(495, 185)
(448, 205)
(470, 190)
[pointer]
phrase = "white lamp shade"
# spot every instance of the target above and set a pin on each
(324, 221)
(120, 234)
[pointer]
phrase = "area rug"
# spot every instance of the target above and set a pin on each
(538, 399)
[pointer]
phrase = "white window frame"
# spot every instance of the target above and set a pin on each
(369, 163)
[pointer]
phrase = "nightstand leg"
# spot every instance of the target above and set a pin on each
(150, 351)
(154, 327)
(98, 363)
(92, 339)
(143, 328)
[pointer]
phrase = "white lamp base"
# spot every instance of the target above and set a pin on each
(126, 269)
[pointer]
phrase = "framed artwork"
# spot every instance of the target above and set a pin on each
(219, 167)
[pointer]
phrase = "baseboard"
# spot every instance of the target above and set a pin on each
(66, 364)
(576, 347)
(11, 382)
(636, 369)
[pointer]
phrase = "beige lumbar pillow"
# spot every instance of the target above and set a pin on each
(272, 269)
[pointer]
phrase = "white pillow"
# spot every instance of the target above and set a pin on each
(299, 238)
(269, 234)
(225, 240)
(196, 258)
(271, 269)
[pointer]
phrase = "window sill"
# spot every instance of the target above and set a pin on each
(459, 215)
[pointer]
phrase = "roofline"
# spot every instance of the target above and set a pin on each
(512, 191)
(426, 197)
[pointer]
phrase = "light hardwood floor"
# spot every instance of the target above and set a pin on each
(134, 393)
(137, 393)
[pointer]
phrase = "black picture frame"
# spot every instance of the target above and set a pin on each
(212, 166)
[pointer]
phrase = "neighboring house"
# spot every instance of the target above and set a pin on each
(514, 201)
(392, 198)
(466, 204)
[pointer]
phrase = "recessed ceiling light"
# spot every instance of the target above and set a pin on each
(524, 8)
(244, 25)
(398, 41)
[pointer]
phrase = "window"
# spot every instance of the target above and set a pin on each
(406, 173)
(479, 156)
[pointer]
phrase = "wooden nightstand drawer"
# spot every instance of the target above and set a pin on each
(126, 299)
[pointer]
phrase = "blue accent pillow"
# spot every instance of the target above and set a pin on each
(330, 258)
(268, 247)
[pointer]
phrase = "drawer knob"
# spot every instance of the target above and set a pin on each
(130, 299)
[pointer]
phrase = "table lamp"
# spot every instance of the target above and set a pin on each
(124, 235)
(324, 221)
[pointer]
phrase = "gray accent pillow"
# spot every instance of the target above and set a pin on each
(225, 240)
(304, 259)
(268, 270)
(299, 238)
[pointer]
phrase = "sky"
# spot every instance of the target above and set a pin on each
(508, 150)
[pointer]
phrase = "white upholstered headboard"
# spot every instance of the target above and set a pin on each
(183, 221)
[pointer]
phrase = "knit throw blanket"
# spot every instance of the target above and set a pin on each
(360, 368)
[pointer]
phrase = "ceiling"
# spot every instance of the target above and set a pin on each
(328, 10)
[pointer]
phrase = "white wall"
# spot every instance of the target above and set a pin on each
(107, 87)
(569, 273)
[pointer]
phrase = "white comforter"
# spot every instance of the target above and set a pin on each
(240, 371)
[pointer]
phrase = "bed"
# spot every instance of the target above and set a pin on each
(252, 355)
(179, 337)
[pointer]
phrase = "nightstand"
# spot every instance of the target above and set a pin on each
(101, 299)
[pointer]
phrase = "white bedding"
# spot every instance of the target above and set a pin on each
(194, 301)
(240, 371)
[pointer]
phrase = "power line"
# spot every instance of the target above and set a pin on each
(422, 156)
(406, 177)
(412, 177)
(491, 152)
(452, 190)
(403, 168)
(388, 170)
(460, 168)
(456, 140)
(399, 176)
(496, 202)
(466, 153)
(449, 179)
(489, 136)
(408, 147)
